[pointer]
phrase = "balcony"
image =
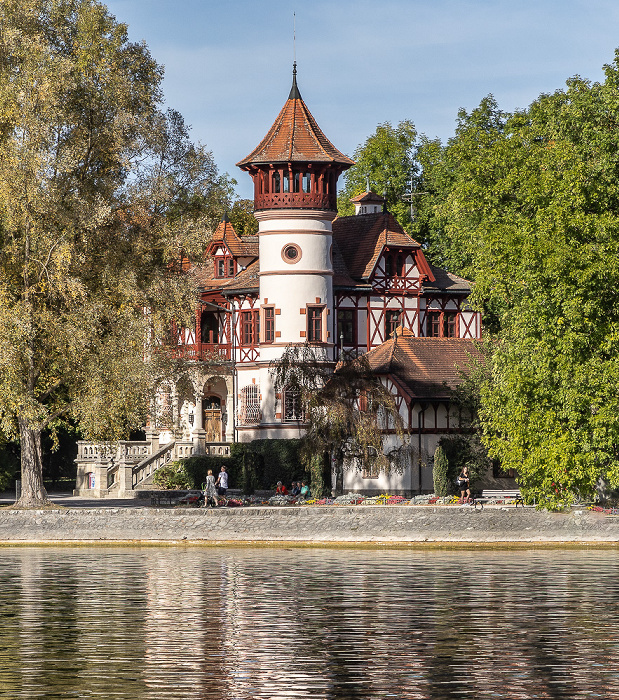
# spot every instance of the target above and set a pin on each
(203, 352)
(295, 200)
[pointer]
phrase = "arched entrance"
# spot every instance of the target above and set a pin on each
(211, 414)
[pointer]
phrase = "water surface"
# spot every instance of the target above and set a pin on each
(164, 623)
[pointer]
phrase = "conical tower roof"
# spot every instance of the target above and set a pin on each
(295, 137)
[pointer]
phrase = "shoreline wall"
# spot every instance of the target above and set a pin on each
(313, 525)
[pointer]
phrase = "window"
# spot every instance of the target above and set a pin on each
(433, 324)
(307, 182)
(249, 412)
(231, 267)
(392, 321)
(442, 324)
(293, 409)
(276, 183)
(296, 182)
(291, 253)
(449, 324)
(220, 268)
(250, 326)
(269, 324)
(346, 326)
(394, 264)
(314, 324)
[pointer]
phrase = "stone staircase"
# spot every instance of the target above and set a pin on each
(126, 468)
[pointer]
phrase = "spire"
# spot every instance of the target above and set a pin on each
(225, 219)
(294, 90)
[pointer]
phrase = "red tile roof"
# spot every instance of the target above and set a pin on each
(425, 367)
(368, 197)
(362, 238)
(225, 233)
(295, 137)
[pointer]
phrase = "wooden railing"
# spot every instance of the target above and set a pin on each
(202, 351)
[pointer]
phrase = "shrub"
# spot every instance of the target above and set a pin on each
(439, 472)
(173, 476)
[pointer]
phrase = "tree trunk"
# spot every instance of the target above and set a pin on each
(33, 493)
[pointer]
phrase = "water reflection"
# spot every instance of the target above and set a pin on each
(242, 623)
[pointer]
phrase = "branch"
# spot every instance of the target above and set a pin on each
(55, 415)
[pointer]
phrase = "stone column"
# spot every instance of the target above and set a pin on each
(125, 474)
(198, 434)
(229, 436)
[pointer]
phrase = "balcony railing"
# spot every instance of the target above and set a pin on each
(202, 352)
(293, 200)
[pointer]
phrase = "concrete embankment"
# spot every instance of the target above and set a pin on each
(313, 525)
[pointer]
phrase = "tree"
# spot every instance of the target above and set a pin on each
(439, 472)
(385, 162)
(440, 169)
(242, 217)
(346, 410)
(85, 259)
(535, 208)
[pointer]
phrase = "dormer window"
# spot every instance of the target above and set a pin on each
(224, 267)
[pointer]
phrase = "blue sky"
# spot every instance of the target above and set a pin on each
(228, 63)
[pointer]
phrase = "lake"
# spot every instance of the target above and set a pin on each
(173, 622)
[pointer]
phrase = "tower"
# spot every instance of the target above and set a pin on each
(295, 170)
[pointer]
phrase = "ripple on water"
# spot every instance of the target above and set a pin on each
(333, 624)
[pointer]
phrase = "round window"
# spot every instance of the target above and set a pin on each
(291, 253)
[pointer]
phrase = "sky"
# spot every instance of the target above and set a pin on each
(228, 63)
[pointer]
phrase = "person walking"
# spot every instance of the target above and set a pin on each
(222, 482)
(210, 492)
(464, 482)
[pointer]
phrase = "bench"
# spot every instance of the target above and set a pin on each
(500, 495)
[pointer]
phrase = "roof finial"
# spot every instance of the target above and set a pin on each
(294, 90)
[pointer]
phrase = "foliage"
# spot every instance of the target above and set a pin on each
(173, 476)
(439, 472)
(534, 207)
(242, 217)
(268, 461)
(320, 475)
(386, 162)
(9, 465)
(345, 411)
(440, 168)
(99, 193)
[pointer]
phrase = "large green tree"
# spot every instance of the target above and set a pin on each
(385, 162)
(534, 210)
(92, 179)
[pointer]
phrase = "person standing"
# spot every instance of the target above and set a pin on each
(222, 482)
(210, 492)
(464, 482)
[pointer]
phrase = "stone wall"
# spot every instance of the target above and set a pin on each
(361, 524)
